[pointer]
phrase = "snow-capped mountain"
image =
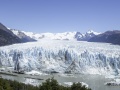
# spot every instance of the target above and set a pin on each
(22, 36)
(62, 56)
(86, 36)
(31, 36)
(62, 36)
(108, 37)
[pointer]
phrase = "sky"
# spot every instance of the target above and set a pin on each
(57, 16)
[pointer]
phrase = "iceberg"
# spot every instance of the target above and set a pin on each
(116, 82)
(71, 83)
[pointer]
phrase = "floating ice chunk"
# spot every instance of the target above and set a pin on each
(84, 84)
(116, 82)
(71, 83)
(2, 69)
(68, 83)
(33, 72)
(112, 83)
(32, 82)
(66, 75)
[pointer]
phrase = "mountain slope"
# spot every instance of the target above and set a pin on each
(7, 37)
(22, 36)
(108, 37)
(86, 36)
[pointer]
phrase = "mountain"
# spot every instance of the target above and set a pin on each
(62, 36)
(7, 37)
(108, 37)
(22, 36)
(10, 36)
(86, 36)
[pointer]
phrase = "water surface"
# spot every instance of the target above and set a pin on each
(96, 82)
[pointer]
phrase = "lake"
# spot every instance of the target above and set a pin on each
(96, 82)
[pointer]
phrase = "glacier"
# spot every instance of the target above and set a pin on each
(77, 36)
(62, 56)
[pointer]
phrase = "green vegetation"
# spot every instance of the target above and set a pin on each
(49, 84)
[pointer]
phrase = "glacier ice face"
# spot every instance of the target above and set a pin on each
(62, 56)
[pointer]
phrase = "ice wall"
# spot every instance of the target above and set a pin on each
(62, 56)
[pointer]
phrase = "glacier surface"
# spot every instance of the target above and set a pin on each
(62, 56)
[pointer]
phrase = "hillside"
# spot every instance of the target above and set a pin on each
(7, 37)
(107, 37)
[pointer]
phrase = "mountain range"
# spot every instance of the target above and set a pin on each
(62, 36)
(10, 36)
(108, 37)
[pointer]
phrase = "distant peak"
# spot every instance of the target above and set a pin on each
(93, 32)
(90, 31)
